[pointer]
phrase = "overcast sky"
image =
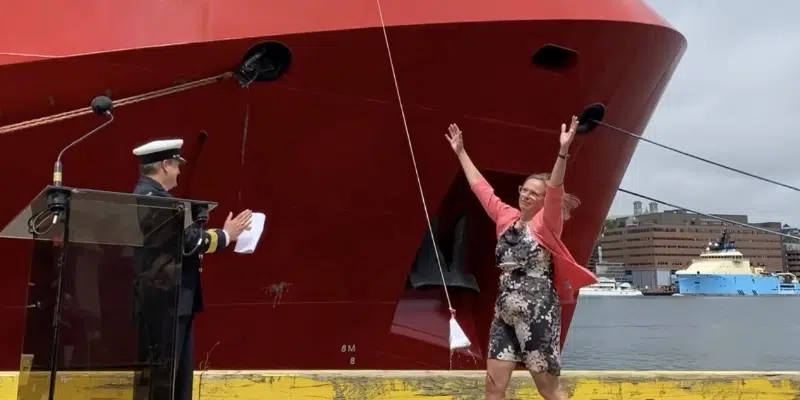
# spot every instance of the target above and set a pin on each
(734, 99)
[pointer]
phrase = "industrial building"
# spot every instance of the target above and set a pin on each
(653, 244)
(791, 249)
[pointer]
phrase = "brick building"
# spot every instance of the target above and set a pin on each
(672, 239)
(792, 250)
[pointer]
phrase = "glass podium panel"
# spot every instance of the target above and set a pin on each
(102, 295)
(119, 209)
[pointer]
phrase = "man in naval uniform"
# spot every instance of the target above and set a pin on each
(160, 163)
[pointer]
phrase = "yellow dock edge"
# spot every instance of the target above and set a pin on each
(436, 385)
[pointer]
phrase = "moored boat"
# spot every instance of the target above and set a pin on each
(322, 151)
(607, 287)
(722, 270)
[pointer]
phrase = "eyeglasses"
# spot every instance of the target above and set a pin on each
(525, 191)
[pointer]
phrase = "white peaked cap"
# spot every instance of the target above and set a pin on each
(159, 150)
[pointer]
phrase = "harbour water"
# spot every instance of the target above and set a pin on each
(685, 333)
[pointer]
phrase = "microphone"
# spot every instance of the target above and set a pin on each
(57, 197)
(200, 214)
(101, 105)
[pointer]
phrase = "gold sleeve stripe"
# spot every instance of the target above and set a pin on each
(213, 241)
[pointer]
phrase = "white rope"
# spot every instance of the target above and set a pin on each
(414, 159)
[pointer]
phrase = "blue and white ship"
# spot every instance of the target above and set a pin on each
(724, 271)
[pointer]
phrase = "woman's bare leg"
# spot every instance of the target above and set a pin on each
(549, 386)
(498, 375)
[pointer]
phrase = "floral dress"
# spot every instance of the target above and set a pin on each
(527, 317)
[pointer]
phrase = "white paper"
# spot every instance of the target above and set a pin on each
(249, 239)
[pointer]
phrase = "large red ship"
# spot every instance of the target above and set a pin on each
(345, 276)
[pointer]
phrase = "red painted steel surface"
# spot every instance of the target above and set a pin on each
(326, 154)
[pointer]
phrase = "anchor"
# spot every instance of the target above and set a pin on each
(425, 272)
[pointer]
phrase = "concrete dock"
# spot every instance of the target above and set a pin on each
(438, 385)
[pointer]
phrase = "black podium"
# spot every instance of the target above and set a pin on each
(102, 294)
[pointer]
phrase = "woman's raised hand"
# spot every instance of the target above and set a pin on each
(455, 139)
(568, 135)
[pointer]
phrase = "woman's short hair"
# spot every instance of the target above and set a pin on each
(571, 201)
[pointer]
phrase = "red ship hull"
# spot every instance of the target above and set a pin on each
(325, 155)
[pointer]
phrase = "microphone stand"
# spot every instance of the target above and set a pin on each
(58, 198)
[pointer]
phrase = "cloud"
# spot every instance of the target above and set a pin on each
(732, 100)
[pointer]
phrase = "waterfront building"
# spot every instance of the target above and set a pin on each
(669, 240)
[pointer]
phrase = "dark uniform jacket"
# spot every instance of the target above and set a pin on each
(211, 240)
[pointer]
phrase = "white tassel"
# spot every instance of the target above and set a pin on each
(458, 339)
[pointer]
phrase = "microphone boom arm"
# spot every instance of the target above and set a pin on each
(101, 105)
(57, 168)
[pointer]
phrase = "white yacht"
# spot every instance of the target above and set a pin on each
(609, 287)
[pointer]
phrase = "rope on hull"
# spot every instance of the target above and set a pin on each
(119, 103)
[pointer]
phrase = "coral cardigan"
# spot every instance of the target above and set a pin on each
(546, 227)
